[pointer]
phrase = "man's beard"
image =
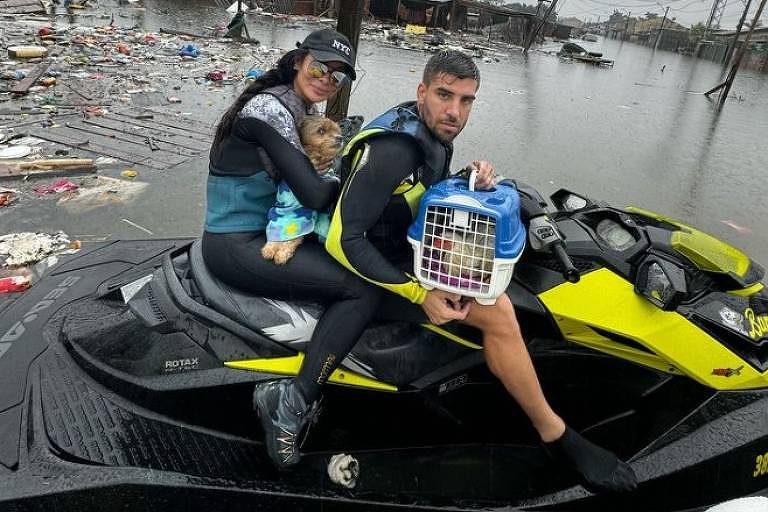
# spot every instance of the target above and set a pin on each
(426, 116)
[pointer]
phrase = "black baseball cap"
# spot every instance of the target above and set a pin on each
(328, 45)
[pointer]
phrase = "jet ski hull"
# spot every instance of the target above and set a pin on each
(70, 438)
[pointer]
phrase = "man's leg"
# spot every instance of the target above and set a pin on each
(508, 359)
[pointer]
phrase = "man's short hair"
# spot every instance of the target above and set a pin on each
(451, 62)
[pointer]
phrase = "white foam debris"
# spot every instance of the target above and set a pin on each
(343, 470)
(18, 249)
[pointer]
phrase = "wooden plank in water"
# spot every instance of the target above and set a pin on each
(137, 150)
(192, 148)
(203, 128)
(24, 84)
(13, 172)
(131, 138)
(75, 139)
(177, 128)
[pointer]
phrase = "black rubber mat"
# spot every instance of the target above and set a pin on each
(85, 425)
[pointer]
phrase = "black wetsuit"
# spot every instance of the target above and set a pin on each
(235, 257)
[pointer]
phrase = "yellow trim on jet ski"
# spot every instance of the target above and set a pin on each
(703, 250)
(580, 333)
(453, 337)
(606, 301)
(750, 290)
(291, 365)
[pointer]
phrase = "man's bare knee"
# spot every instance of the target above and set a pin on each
(498, 318)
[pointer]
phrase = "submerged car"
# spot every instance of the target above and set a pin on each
(576, 52)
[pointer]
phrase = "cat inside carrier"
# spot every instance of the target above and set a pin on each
(467, 241)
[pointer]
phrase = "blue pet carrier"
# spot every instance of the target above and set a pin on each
(467, 241)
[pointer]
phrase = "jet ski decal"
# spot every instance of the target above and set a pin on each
(299, 330)
(727, 372)
(18, 329)
(758, 324)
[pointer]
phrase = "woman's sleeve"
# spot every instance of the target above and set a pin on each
(277, 135)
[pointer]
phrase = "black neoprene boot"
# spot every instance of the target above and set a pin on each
(285, 417)
(598, 469)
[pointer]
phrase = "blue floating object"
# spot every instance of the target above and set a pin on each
(189, 50)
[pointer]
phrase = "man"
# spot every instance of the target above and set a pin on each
(386, 169)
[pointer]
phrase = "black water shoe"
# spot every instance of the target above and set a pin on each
(599, 469)
(285, 416)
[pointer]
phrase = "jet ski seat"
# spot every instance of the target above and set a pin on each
(256, 313)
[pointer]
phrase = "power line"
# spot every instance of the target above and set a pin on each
(632, 6)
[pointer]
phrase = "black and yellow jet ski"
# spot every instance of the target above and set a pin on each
(126, 375)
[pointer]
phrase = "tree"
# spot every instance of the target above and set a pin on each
(616, 18)
(697, 31)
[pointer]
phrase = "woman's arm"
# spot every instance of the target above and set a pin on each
(294, 167)
(266, 121)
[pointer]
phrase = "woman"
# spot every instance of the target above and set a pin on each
(256, 145)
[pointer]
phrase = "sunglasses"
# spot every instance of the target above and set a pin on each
(317, 69)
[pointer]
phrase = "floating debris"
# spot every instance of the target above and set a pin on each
(344, 470)
(18, 249)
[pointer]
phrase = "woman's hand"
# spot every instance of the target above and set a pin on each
(323, 167)
(485, 174)
(442, 307)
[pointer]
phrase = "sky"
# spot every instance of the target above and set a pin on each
(685, 12)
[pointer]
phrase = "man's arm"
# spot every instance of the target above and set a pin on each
(387, 161)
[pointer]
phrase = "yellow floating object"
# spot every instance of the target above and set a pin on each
(26, 52)
(415, 29)
(129, 173)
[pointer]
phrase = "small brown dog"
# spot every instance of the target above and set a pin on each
(322, 141)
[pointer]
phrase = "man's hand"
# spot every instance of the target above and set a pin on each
(442, 307)
(485, 174)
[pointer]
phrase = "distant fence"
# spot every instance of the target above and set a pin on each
(712, 50)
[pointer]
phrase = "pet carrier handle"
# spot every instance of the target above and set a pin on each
(569, 271)
(472, 179)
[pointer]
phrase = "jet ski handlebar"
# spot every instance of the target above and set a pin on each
(542, 230)
(569, 271)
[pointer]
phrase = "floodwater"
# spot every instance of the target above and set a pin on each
(640, 133)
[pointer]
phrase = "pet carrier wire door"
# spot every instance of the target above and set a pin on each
(467, 241)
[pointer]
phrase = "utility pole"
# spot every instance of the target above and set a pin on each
(735, 41)
(658, 36)
(626, 26)
(532, 28)
(540, 24)
(726, 86)
(350, 18)
(715, 15)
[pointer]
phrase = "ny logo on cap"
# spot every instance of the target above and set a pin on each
(341, 47)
